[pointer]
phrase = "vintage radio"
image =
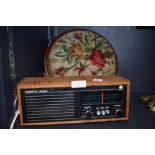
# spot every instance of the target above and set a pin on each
(63, 100)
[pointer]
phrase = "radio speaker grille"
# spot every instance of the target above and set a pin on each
(47, 106)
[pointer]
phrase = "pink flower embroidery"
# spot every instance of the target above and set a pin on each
(97, 58)
(79, 69)
(60, 71)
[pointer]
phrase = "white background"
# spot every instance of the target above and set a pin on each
(77, 142)
(77, 12)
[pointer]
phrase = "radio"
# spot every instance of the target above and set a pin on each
(64, 100)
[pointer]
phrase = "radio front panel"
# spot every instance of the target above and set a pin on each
(45, 105)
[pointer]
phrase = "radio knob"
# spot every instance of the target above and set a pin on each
(118, 112)
(88, 114)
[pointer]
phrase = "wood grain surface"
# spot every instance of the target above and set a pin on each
(62, 82)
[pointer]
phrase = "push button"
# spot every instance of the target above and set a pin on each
(98, 113)
(103, 112)
(107, 111)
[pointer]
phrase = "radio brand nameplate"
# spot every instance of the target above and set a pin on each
(79, 84)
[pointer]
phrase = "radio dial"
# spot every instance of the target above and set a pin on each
(119, 112)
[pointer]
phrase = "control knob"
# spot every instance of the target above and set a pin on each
(118, 112)
(88, 114)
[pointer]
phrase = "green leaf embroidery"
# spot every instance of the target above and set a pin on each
(76, 61)
(108, 54)
(63, 60)
(85, 64)
(69, 59)
(99, 70)
(56, 60)
(105, 45)
(67, 69)
(60, 54)
(112, 62)
(53, 60)
(86, 39)
(86, 57)
(87, 49)
(65, 48)
(107, 71)
(81, 64)
(99, 44)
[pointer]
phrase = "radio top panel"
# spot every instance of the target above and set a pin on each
(81, 81)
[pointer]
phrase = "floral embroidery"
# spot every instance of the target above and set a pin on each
(60, 71)
(78, 35)
(97, 58)
(76, 50)
(82, 52)
(79, 69)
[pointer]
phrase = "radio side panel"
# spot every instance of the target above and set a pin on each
(128, 99)
(20, 104)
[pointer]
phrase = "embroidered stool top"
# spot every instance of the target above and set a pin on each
(80, 53)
